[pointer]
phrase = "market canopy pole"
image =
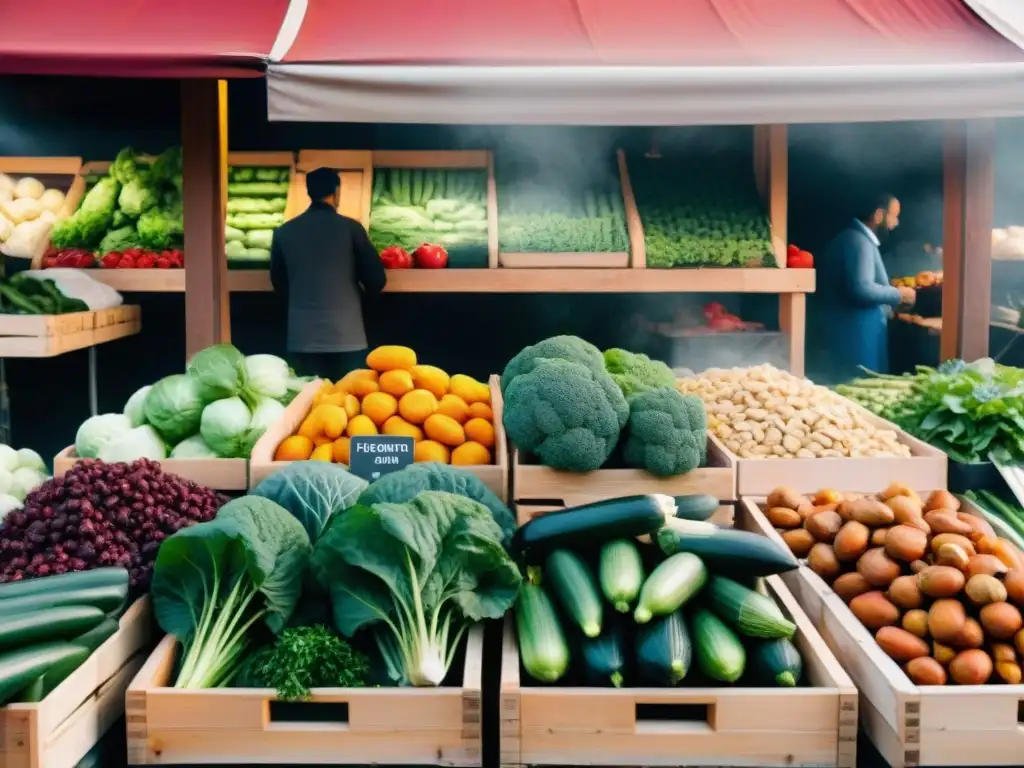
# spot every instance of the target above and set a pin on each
(968, 205)
(204, 140)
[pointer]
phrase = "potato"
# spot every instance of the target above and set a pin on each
(916, 622)
(805, 510)
(784, 496)
(946, 619)
(952, 555)
(1003, 652)
(900, 489)
(878, 568)
(849, 585)
(953, 538)
(926, 671)
(940, 581)
(783, 517)
(799, 541)
(971, 636)
(1001, 548)
(1018, 641)
(824, 525)
(874, 611)
(900, 645)
(979, 526)
(878, 536)
(917, 566)
(823, 561)
(904, 592)
(870, 512)
(982, 589)
(988, 565)
(903, 542)
(827, 496)
(905, 509)
(942, 653)
(1001, 620)
(946, 521)
(852, 541)
(971, 667)
(1009, 672)
(941, 500)
(1014, 583)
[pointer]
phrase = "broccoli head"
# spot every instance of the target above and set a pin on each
(566, 414)
(666, 433)
(570, 348)
(634, 372)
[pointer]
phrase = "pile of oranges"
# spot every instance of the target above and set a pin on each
(449, 417)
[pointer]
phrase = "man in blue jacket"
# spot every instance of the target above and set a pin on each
(854, 298)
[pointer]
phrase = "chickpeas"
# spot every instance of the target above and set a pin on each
(765, 413)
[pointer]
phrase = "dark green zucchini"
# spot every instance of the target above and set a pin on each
(572, 583)
(747, 611)
(18, 630)
(739, 554)
(21, 667)
(591, 525)
(542, 646)
(48, 585)
(696, 507)
(777, 662)
(43, 685)
(604, 657)
(109, 599)
(720, 654)
(664, 650)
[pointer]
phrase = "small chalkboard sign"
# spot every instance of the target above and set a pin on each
(371, 456)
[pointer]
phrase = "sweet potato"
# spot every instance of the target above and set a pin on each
(1001, 620)
(878, 568)
(852, 541)
(940, 581)
(926, 671)
(900, 645)
(849, 585)
(824, 525)
(874, 611)
(971, 667)
(946, 619)
(906, 543)
(904, 593)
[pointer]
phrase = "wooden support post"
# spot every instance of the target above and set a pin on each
(204, 161)
(793, 322)
(969, 193)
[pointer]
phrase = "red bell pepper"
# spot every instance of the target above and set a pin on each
(797, 259)
(431, 257)
(395, 257)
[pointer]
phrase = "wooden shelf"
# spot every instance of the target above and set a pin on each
(53, 335)
(141, 280)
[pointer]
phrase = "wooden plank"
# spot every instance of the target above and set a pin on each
(220, 474)
(264, 159)
(567, 260)
(493, 256)
(793, 322)
(355, 172)
(143, 280)
(433, 158)
(404, 726)
(52, 346)
(777, 192)
(50, 166)
(45, 325)
(634, 225)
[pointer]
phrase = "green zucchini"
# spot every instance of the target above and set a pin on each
(542, 646)
(109, 599)
(48, 585)
(777, 662)
(43, 685)
(62, 622)
(621, 572)
(21, 667)
(720, 654)
(697, 507)
(664, 650)
(669, 586)
(747, 611)
(573, 585)
(591, 524)
(739, 554)
(604, 657)
(98, 635)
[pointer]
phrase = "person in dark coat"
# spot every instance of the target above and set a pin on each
(854, 299)
(324, 265)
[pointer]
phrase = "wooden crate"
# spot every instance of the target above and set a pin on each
(494, 476)
(728, 726)
(909, 725)
(52, 335)
(403, 726)
(61, 173)
(58, 731)
(536, 485)
(355, 171)
(219, 474)
(293, 207)
(453, 159)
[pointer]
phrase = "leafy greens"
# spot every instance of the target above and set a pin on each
(313, 491)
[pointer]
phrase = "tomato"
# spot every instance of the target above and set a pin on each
(146, 262)
(429, 256)
(127, 261)
(395, 257)
(163, 263)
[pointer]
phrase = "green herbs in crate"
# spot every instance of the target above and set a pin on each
(701, 211)
(413, 206)
(564, 206)
(257, 198)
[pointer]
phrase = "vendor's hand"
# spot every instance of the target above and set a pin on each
(907, 295)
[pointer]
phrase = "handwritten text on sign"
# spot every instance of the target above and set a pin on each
(374, 455)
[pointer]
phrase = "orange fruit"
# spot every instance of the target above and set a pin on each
(294, 448)
(341, 450)
(480, 431)
(444, 429)
(396, 425)
(417, 405)
(351, 405)
(429, 450)
(481, 411)
(379, 406)
(396, 382)
(430, 378)
(454, 407)
(471, 453)
(361, 425)
(323, 452)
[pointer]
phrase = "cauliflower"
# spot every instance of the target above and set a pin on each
(666, 433)
(566, 414)
(570, 348)
(634, 372)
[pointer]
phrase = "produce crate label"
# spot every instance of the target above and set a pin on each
(376, 455)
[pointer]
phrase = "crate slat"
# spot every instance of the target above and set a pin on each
(219, 474)
(52, 335)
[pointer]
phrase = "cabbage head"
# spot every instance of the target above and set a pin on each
(267, 411)
(267, 375)
(173, 406)
(225, 428)
(313, 491)
(193, 448)
(25, 480)
(138, 443)
(30, 459)
(96, 432)
(135, 408)
(219, 372)
(8, 458)
(7, 504)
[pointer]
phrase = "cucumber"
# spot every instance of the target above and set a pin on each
(66, 621)
(777, 662)
(20, 668)
(621, 572)
(664, 650)
(109, 599)
(720, 654)
(47, 585)
(739, 554)
(573, 585)
(669, 586)
(98, 635)
(604, 657)
(747, 611)
(542, 646)
(700, 506)
(43, 685)
(591, 524)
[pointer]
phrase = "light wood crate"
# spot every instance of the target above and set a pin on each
(58, 731)
(494, 476)
(218, 474)
(61, 173)
(403, 726)
(355, 172)
(814, 725)
(950, 725)
(52, 335)
(536, 485)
